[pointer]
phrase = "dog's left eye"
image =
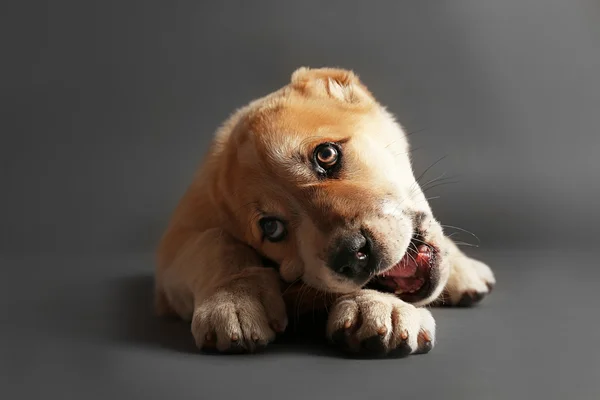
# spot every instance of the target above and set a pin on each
(273, 228)
(327, 155)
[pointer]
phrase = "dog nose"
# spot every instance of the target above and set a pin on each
(351, 255)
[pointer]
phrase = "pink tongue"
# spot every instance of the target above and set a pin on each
(404, 269)
(408, 266)
(403, 274)
(409, 284)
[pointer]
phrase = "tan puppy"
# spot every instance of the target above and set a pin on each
(315, 177)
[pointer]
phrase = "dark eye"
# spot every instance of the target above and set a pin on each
(327, 155)
(273, 229)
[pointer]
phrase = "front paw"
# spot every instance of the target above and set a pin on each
(243, 316)
(374, 323)
(469, 282)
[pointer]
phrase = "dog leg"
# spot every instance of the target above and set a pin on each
(234, 303)
(469, 282)
(374, 323)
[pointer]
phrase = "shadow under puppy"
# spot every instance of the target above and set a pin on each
(316, 178)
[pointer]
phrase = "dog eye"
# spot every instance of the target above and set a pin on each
(327, 155)
(273, 229)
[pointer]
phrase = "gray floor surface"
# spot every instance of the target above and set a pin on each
(82, 327)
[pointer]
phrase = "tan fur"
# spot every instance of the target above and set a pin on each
(209, 267)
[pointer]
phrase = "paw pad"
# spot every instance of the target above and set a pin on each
(469, 299)
(374, 346)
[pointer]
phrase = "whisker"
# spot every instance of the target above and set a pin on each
(414, 187)
(408, 254)
(425, 243)
(431, 166)
(465, 244)
(460, 243)
(437, 180)
(414, 247)
(291, 285)
(434, 179)
(410, 151)
(462, 230)
(415, 131)
(440, 184)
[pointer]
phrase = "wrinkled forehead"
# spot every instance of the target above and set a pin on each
(282, 141)
(290, 132)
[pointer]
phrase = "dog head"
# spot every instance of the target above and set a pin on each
(317, 178)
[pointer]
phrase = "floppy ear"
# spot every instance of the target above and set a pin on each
(336, 83)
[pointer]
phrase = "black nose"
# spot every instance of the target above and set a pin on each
(351, 255)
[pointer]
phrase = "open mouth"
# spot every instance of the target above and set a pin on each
(410, 278)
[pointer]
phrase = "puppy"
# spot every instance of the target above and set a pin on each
(308, 193)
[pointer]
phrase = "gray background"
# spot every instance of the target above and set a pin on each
(107, 107)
